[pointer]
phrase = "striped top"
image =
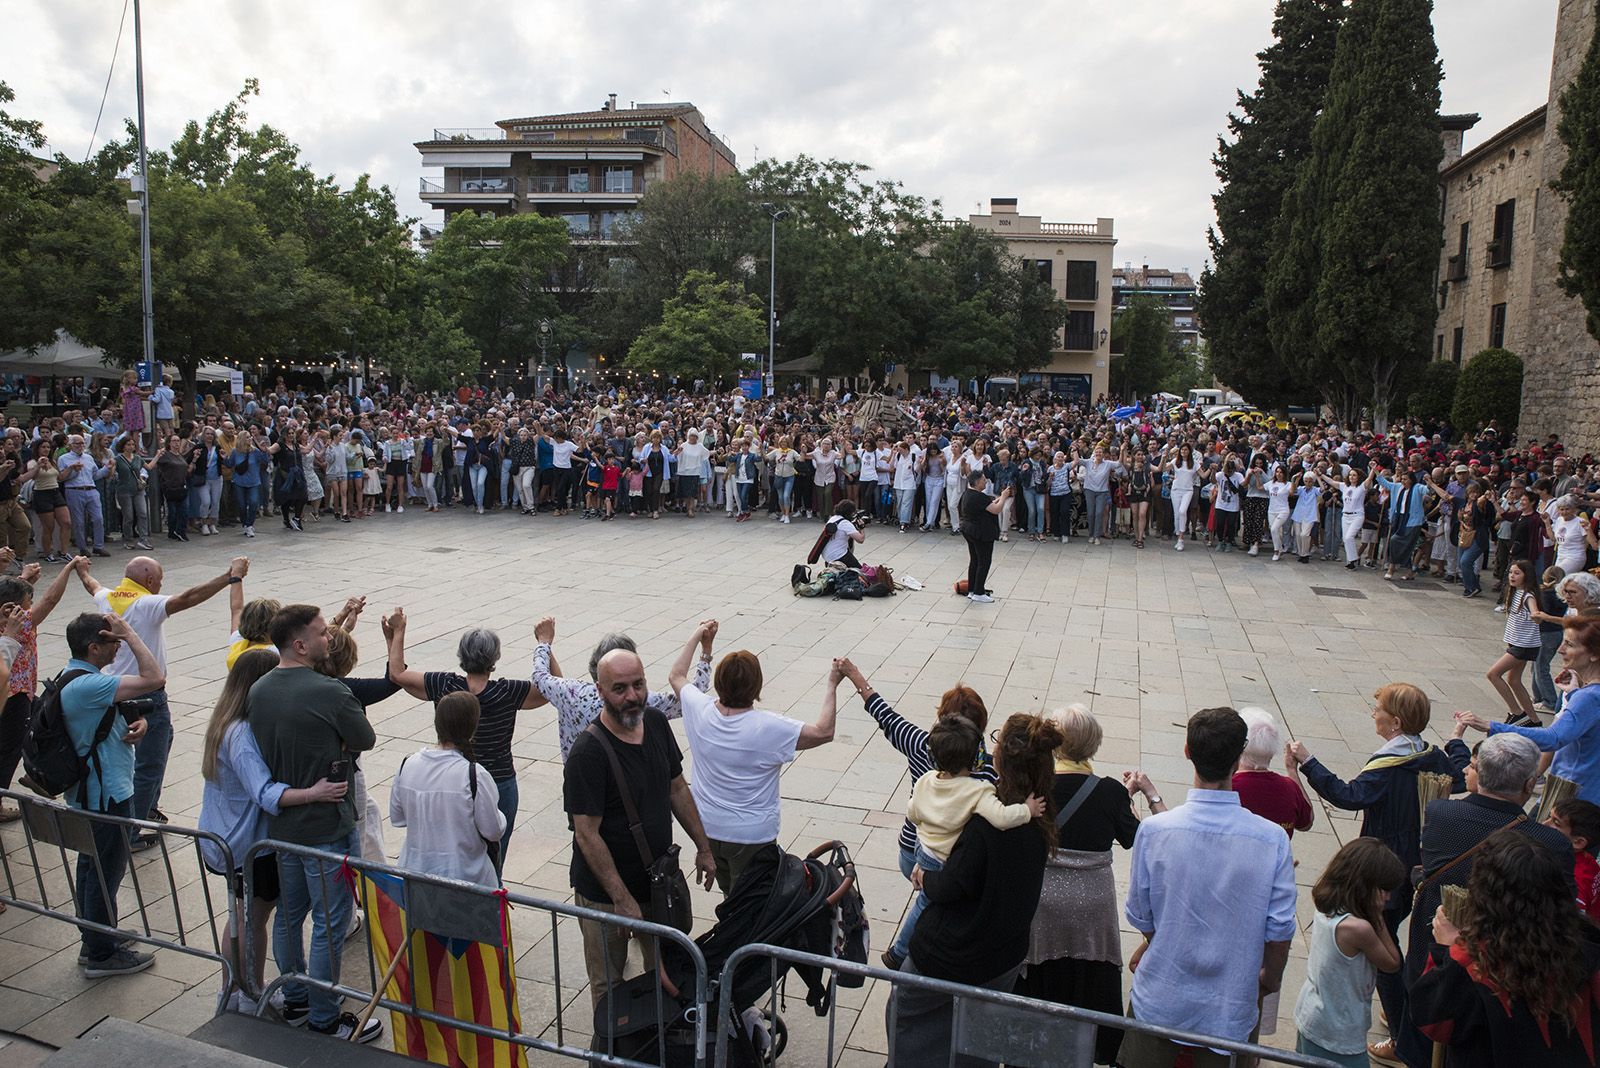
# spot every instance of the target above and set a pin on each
(912, 742)
(498, 705)
(1521, 630)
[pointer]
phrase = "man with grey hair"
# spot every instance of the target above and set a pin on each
(80, 477)
(578, 701)
(1454, 828)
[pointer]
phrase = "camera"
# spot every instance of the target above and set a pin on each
(136, 708)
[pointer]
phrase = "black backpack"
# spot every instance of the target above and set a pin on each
(51, 760)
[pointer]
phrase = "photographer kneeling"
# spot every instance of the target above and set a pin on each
(96, 705)
(845, 532)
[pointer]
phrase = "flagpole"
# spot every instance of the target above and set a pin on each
(144, 197)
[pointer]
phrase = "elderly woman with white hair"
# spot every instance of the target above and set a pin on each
(1261, 790)
(1573, 534)
(1075, 952)
(499, 701)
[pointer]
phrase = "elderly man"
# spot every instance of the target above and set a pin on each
(80, 476)
(139, 600)
(1507, 766)
(628, 748)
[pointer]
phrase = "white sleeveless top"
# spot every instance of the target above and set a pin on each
(1334, 1009)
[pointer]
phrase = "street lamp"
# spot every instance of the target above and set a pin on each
(772, 295)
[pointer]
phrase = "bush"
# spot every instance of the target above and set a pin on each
(1433, 393)
(1489, 390)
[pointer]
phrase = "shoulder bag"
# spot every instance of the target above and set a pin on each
(669, 890)
(1079, 796)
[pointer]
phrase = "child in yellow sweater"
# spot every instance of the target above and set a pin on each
(942, 802)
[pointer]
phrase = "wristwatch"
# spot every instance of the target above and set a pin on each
(232, 579)
(1154, 801)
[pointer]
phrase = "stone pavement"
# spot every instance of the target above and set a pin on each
(1144, 637)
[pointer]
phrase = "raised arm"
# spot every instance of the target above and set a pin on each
(410, 681)
(678, 676)
(90, 586)
(820, 732)
(46, 602)
(209, 588)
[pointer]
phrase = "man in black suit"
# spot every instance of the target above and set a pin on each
(1507, 766)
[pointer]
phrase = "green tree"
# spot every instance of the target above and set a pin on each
(988, 312)
(1271, 136)
(1431, 391)
(1149, 348)
(1352, 285)
(1579, 184)
(702, 332)
(435, 352)
(1489, 391)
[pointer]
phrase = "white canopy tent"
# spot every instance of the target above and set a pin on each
(67, 356)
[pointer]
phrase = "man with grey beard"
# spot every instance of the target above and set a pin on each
(609, 866)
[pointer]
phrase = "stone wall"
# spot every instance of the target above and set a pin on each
(1561, 383)
(1505, 168)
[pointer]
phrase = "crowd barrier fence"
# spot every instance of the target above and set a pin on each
(173, 907)
(451, 909)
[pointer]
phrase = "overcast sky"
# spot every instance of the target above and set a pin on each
(1082, 109)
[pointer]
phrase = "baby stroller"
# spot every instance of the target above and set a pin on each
(809, 904)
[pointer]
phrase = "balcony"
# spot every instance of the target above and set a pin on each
(1070, 230)
(458, 190)
(469, 133)
(1456, 268)
(1082, 289)
(1499, 253)
(1080, 342)
(583, 185)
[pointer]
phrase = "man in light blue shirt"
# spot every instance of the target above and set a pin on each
(103, 735)
(1212, 889)
(80, 475)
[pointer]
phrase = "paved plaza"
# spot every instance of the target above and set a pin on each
(1144, 637)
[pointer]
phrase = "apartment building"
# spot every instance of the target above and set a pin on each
(588, 168)
(1075, 259)
(1175, 289)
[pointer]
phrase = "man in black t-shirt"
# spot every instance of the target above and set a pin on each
(980, 525)
(608, 870)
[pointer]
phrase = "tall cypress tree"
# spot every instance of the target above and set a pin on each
(1579, 183)
(1350, 288)
(1271, 134)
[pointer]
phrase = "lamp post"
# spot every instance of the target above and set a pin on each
(772, 296)
(144, 200)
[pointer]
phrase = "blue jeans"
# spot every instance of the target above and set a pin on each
(480, 476)
(905, 504)
(1097, 510)
(742, 489)
(1035, 501)
(110, 861)
(318, 887)
(932, 498)
(150, 757)
(245, 498)
(1471, 574)
(1332, 534)
(908, 860)
(1544, 687)
(509, 796)
(88, 521)
(902, 942)
(785, 491)
(510, 494)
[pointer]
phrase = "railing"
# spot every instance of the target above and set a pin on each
(178, 909)
(1080, 342)
(450, 909)
(1089, 290)
(1456, 268)
(583, 183)
(469, 133)
(503, 186)
(989, 1025)
(1070, 229)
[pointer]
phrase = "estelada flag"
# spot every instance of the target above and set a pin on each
(453, 977)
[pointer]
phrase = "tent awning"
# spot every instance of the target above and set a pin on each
(64, 356)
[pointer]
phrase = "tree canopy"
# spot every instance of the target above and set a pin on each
(1579, 184)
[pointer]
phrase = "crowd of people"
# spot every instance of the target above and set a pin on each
(1500, 970)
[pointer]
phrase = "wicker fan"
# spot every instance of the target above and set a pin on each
(1454, 900)
(1431, 786)
(1556, 789)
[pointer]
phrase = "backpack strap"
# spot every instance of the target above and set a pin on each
(1081, 795)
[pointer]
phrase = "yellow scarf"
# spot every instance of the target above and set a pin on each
(1074, 767)
(126, 592)
(1394, 761)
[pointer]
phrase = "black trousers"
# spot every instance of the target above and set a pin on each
(15, 719)
(980, 554)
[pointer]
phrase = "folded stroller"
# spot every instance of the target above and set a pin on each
(780, 900)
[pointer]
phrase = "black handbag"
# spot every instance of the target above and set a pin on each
(669, 890)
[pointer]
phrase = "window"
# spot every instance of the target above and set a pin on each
(1080, 331)
(1458, 262)
(1455, 346)
(608, 222)
(577, 179)
(1044, 269)
(1497, 327)
(1081, 281)
(619, 180)
(577, 222)
(1505, 216)
(1438, 348)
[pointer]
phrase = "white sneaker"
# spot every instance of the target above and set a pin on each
(1179, 546)
(402, 508)
(1276, 557)
(783, 519)
(357, 917)
(388, 508)
(1063, 539)
(1252, 551)
(981, 598)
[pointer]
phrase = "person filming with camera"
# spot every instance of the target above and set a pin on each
(105, 717)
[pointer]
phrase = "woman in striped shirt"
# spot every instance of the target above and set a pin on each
(912, 741)
(1522, 644)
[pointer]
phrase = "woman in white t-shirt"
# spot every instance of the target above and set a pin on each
(739, 752)
(447, 802)
(1572, 533)
(1185, 468)
(826, 462)
(1278, 490)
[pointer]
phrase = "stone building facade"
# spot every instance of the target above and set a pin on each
(1503, 230)
(1561, 377)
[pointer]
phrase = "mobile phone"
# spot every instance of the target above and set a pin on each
(339, 770)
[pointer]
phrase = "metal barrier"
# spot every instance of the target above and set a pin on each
(39, 885)
(451, 909)
(987, 1024)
